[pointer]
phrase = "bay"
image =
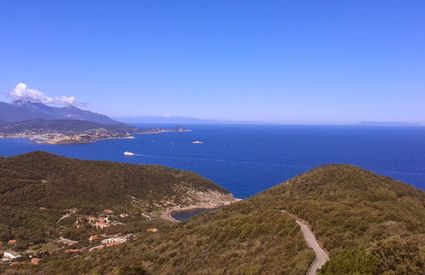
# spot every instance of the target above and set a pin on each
(247, 159)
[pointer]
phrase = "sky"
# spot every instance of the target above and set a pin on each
(267, 61)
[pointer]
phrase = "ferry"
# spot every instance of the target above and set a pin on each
(127, 153)
(197, 142)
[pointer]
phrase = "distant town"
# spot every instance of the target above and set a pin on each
(64, 125)
(51, 136)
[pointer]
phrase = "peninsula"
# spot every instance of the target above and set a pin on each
(64, 125)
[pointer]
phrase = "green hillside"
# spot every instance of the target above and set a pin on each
(46, 180)
(37, 189)
(370, 224)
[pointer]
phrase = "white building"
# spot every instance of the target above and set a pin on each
(10, 256)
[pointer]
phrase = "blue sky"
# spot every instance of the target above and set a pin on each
(275, 61)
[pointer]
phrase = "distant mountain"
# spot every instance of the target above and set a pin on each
(24, 110)
(13, 113)
(189, 120)
(168, 120)
(386, 123)
(63, 125)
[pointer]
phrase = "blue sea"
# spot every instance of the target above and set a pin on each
(247, 159)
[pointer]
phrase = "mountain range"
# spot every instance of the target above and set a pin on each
(168, 120)
(59, 125)
(195, 120)
(19, 110)
(388, 123)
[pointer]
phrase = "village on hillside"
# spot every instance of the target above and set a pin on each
(95, 227)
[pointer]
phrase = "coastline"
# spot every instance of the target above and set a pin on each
(167, 215)
(35, 138)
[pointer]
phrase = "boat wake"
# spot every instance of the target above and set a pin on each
(225, 160)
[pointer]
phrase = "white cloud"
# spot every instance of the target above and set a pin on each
(65, 100)
(23, 92)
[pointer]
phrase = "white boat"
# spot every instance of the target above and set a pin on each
(127, 153)
(197, 142)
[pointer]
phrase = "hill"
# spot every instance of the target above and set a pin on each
(370, 224)
(44, 197)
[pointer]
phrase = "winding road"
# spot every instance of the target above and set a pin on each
(321, 255)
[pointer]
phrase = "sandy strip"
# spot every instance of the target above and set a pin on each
(167, 214)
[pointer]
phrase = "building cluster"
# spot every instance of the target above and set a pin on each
(10, 256)
(96, 241)
(116, 240)
(46, 136)
(103, 221)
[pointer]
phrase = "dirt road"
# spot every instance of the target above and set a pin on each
(321, 255)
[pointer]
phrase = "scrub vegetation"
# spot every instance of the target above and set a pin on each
(368, 223)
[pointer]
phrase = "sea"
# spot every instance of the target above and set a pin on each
(248, 159)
